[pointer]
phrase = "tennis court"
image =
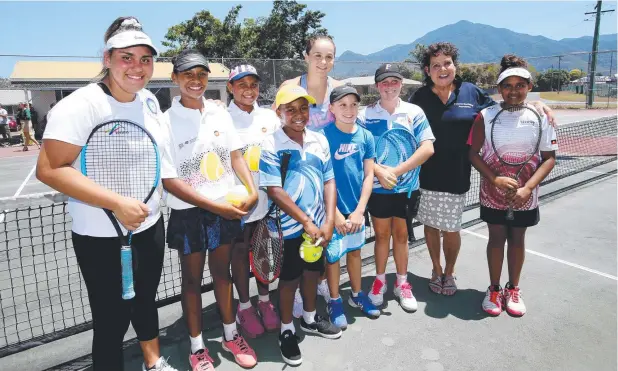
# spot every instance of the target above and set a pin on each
(42, 297)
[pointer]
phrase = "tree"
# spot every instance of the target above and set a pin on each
(552, 80)
(416, 55)
(283, 34)
(468, 74)
(575, 74)
(487, 74)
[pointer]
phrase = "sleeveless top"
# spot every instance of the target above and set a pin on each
(319, 114)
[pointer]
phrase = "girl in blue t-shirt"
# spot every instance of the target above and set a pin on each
(352, 150)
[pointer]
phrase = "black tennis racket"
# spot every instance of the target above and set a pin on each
(515, 138)
(123, 157)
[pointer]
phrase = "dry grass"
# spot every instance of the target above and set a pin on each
(567, 96)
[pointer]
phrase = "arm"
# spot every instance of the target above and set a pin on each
(330, 201)
(422, 154)
(54, 168)
(178, 188)
(523, 193)
(357, 218)
(543, 109)
(477, 140)
(242, 171)
(340, 223)
(285, 203)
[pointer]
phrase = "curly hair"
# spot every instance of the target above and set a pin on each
(511, 61)
(436, 49)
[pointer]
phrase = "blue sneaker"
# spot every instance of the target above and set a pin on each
(362, 302)
(336, 314)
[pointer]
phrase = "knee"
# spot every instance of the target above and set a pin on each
(400, 236)
(382, 234)
(354, 254)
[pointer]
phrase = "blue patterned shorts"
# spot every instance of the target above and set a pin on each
(196, 230)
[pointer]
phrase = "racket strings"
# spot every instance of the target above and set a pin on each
(515, 135)
(122, 158)
(267, 249)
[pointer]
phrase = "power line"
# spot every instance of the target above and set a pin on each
(593, 56)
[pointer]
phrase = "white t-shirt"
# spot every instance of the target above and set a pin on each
(201, 145)
(253, 128)
(72, 121)
(3, 119)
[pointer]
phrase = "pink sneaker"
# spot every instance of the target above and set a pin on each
(243, 354)
(270, 318)
(201, 361)
(249, 322)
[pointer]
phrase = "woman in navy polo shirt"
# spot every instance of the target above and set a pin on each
(450, 106)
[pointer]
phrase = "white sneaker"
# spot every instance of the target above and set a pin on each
(406, 299)
(376, 294)
(324, 291)
(492, 304)
(161, 365)
(297, 311)
(514, 302)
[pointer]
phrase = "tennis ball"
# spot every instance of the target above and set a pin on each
(252, 157)
(237, 195)
(211, 167)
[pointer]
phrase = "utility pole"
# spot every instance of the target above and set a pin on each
(595, 47)
(559, 75)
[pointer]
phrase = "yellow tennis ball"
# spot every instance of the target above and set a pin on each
(252, 157)
(237, 195)
(308, 251)
(211, 167)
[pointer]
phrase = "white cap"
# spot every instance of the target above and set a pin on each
(514, 71)
(130, 37)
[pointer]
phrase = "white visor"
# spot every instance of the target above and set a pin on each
(129, 38)
(515, 71)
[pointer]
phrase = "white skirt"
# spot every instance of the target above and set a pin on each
(441, 210)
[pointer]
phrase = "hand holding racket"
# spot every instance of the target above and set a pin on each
(515, 138)
(393, 148)
(123, 157)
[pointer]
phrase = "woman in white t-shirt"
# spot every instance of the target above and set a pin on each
(253, 124)
(207, 155)
(128, 61)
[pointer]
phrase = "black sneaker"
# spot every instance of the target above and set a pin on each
(322, 327)
(288, 345)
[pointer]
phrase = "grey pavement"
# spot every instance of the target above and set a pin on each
(570, 292)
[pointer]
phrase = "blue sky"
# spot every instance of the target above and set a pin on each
(76, 28)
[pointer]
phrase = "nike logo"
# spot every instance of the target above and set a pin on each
(345, 150)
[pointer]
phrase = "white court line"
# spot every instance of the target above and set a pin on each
(552, 258)
(21, 187)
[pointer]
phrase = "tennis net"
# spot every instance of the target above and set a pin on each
(42, 294)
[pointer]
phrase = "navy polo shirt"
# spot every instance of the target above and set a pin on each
(448, 170)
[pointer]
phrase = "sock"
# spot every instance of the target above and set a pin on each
(288, 326)
(355, 294)
(197, 343)
(335, 299)
(264, 298)
(381, 277)
(401, 278)
(244, 306)
(229, 331)
(309, 317)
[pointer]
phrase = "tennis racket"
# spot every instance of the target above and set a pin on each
(515, 138)
(266, 247)
(394, 147)
(123, 157)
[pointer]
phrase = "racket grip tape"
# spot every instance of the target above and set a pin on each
(126, 261)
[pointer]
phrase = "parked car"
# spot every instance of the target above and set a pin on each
(13, 124)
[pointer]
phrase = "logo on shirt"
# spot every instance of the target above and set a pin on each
(554, 141)
(216, 133)
(152, 106)
(464, 105)
(346, 150)
(263, 130)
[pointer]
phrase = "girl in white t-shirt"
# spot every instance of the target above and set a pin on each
(253, 124)
(128, 61)
(207, 155)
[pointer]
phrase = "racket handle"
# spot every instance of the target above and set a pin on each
(509, 214)
(126, 260)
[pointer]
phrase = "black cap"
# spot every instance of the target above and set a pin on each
(388, 70)
(341, 91)
(190, 60)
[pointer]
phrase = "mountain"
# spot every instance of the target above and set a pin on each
(480, 43)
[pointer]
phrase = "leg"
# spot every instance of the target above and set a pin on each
(495, 251)
(353, 261)
(382, 228)
(403, 289)
(219, 264)
(150, 250)
(192, 268)
(333, 278)
(452, 243)
(99, 263)
(246, 316)
(308, 289)
(287, 289)
(432, 238)
(516, 253)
